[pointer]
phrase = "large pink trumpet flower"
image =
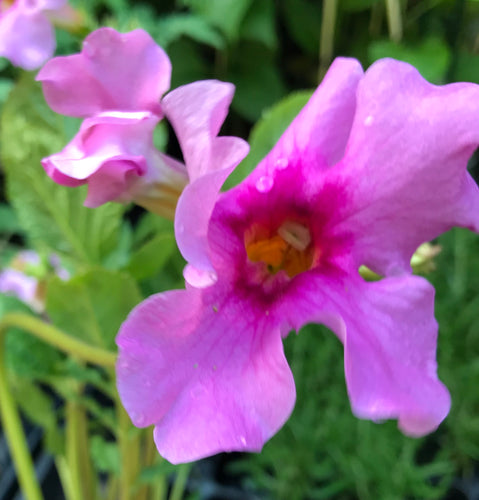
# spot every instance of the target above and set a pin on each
(373, 166)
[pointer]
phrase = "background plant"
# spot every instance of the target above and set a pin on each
(274, 51)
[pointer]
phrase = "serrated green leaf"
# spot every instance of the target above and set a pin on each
(267, 131)
(431, 57)
(92, 306)
(52, 215)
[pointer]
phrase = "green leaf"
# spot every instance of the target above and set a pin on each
(151, 256)
(92, 306)
(357, 5)
(467, 67)
(431, 57)
(52, 215)
(303, 20)
(267, 131)
(8, 220)
(174, 26)
(39, 409)
(259, 24)
(259, 83)
(226, 15)
(27, 356)
(105, 455)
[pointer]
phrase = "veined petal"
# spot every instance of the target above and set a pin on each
(114, 71)
(197, 112)
(405, 164)
(389, 335)
(205, 374)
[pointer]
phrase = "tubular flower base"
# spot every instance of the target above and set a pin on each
(373, 166)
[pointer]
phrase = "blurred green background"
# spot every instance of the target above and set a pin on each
(275, 52)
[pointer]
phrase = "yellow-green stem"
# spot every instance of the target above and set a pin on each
(55, 337)
(326, 43)
(8, 409)
(180, 482)
(14, 433)
(393, 8)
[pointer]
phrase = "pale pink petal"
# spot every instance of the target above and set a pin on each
(27, 38)
(197, 112)
(114, 71)
(205, 373)
(405, 164)
(389, 335)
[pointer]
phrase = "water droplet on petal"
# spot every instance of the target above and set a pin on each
(368, 121)
(243, 440)
(264, 184)
(181, 229)
(281, 163)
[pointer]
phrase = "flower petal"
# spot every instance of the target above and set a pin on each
(108, 153)
(210, 378)
(197, 112)
(321, 130)
(127, 72)
(406, 164)
(27, 38)
(389, 335)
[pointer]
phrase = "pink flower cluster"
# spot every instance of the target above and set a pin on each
(373, 166)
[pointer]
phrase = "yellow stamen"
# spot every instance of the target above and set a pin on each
(289, 249)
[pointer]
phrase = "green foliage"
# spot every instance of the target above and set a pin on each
(303, 19)
(52, 215)
(226, 15)
(92, 306)
(105, 455)
(431, 57)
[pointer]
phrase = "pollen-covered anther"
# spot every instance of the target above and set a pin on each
(289, 249)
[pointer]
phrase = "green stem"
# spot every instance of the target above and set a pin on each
(8, 409)
(72, 455)
(180, 482)
(58, 339)
(393, 8)
(326, 43)
(126, 479)
(14, 432)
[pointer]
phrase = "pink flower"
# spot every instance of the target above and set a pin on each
(20, 280)
(115, 83)
(27, 37)
(373, 166)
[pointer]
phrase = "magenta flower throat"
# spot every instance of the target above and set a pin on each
(372, 167)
